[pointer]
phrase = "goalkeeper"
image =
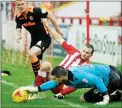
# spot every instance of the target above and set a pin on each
(103, 78)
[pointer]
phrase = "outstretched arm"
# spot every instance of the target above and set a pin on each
(69, 48)
(44, 87)
(51, 17)
(53, 33)
(99, 84)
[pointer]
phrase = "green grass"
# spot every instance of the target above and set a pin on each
(23, 75)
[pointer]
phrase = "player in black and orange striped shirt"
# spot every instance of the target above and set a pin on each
(31, 19)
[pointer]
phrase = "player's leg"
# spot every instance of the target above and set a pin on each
(115, 84)
(116, 95)
(114, 80)
(58, 89)
(44, 73)
(35, 62)
(93, 95)
(36, 54)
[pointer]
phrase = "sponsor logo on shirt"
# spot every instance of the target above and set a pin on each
(21, 18)
(31, 18)
(29, 24)
(85, 80)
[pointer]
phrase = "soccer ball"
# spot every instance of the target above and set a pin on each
(20, 96)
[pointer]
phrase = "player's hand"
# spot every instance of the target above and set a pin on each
(58, 96)
(105, 100)
(18, 39)
(101, 103)
(29, 89)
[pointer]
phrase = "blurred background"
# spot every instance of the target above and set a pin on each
(98, 23)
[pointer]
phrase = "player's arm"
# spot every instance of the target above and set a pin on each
(18, 32)
(99, 84)
(44, 87)
(54, 34)
(51, 17)
(18, 29)
(68, 48)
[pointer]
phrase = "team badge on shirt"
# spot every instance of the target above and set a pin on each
(85, 80)
(31, 18)
(43, 11)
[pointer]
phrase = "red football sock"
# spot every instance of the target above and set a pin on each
(40, 78)
(67, 90)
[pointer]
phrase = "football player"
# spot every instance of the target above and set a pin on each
(31, 19)
(103, 79)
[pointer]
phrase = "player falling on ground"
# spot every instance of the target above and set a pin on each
(74, 57)
(103, 79)
(31, 19)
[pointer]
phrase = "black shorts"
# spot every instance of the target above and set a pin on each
(115, 80)
(43, 45)
(93, 95)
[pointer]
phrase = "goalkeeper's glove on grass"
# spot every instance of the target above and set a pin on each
(105, 100)
(29, 89)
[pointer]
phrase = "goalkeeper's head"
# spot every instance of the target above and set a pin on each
(60, 74)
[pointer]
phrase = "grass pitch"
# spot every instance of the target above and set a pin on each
(22, 75)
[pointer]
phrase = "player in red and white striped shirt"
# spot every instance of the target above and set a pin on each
(74, 57)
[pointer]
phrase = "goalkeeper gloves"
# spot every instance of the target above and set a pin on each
(58, 96)
(105, 100)
(29, 89)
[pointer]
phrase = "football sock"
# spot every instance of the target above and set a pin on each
(57, 89)
(40, 78)
(67, 90)
(35, 65)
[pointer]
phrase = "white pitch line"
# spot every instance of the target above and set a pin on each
(8, 83)
(61, 101)
(70, 103)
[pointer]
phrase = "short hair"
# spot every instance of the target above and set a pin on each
(90, 46)
(59, 71)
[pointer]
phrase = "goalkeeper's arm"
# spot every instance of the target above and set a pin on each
(44, 87)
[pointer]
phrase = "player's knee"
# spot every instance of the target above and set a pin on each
(82, 99)
(31, 54)
(46, 66)
(34, 51)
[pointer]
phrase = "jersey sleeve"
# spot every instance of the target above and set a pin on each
(18, 23)
(40, 12)
(69, 48)
(48, 85)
